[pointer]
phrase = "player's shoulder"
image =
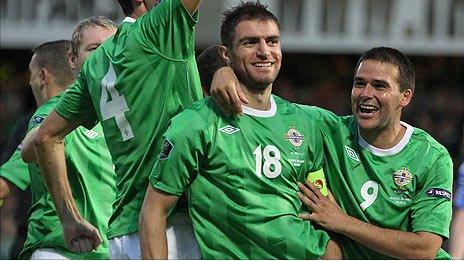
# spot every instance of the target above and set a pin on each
(318, 112)
(426, 143)
(204, 110)
(324, 117)
(47, 107)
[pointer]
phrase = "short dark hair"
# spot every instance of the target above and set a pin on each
(127, 7)
(407, 76)
(208, 62)
(76, 38)
(245, 11)
(53, 56)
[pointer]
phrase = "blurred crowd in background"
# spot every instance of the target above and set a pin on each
(321, 80)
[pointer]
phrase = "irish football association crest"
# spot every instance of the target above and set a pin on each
(294, 137)
(402, 178)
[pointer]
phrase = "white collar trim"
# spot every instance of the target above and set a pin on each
(263, 114)
(128, 19)
(391, 151)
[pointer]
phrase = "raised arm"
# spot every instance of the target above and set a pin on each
(394, 243)
(80, 236)
(192, 5)
(152, 223)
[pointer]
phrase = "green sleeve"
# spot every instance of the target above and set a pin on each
(432, 207)
(184, 147)
(169, 29)
(76, 103)
(317, 151)
(326, 121)
(16, 171)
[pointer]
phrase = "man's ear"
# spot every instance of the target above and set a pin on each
(406, 98)
(72, 59)
(44, 77)
(225, 54)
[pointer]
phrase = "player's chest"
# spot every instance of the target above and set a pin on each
(263, 151)
(381, 182)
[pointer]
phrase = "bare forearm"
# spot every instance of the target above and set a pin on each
(51, 159)
(394, 243)
(152, 223)
(153, 241)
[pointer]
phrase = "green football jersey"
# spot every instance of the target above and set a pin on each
(404, 188)
(241, 175)
(92, 181)
(15, 170)
(133, 84)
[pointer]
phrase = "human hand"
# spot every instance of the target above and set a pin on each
(81, 237)
(324, 210)
(227, 92)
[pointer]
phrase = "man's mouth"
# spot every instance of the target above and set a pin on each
(263, 64)
(367, 110)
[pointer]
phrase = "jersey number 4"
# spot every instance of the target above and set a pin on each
(115, 107)
(272, 166)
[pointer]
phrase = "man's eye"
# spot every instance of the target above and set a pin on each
(359, 84)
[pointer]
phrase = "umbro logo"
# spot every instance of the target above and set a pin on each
(228, 129)
(352, 153)
(91, 134)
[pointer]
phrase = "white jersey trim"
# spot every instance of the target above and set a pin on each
(128, 19)
(391, 151)
(263, 114)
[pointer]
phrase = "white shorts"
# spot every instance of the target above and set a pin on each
(46, 253)
(181, 241)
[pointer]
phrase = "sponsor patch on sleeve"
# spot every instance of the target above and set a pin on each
(167, 147)
(439, 193)
(37, 120)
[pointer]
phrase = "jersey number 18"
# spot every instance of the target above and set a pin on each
(272, 166)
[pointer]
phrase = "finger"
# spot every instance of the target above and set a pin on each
(306, 216)
(308, 193)
(310, 204)
(241, 94)
(78, 245)
(235, 101)
(86, 244)
(314, 189)
(73, 246)
(96, 239)
(221, 104)
(331, 197)
(227, 102)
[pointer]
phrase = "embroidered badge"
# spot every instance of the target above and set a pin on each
(36, 120)
(295, 137)
(439, 193)
(402, 178)
(167, 148)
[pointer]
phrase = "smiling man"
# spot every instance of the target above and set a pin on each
(393, 180)
(240, 173)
